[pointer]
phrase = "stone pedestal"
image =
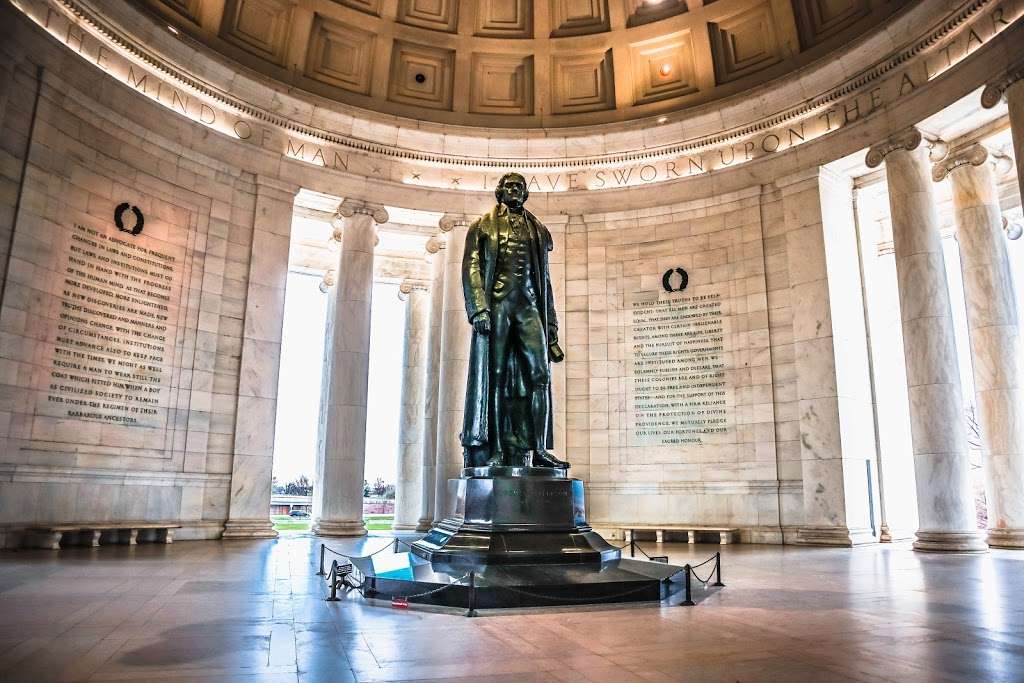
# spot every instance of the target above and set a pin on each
(514, 515)
(941, 465)
(340, 467)
(410, 433)
(995, 338)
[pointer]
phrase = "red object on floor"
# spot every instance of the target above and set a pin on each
(400, 603)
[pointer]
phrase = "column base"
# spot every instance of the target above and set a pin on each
(1006, 538)
(949, 542)
(835, 536)
(424, 525)
(404, 527)
(330, 527)
(248, 528)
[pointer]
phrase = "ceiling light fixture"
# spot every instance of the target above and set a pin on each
(173, 30)
(665, 69)
(662, 119)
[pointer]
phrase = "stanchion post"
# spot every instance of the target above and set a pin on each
(334, 582)
(395, 548)
(687, 597)
(471, 612)
(718, 570)
(632, 545)
(321, 572)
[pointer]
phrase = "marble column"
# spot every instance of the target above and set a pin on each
(1011, 89)
(408, 491)
(995, 337)
(941, 465)
(340, 466)
(436, 252)
(453, 366)
(253, 453)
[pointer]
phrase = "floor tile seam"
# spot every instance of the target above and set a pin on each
(97, 663)
(26, 649)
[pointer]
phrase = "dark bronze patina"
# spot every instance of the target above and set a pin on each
(515, 503)
(507, 286)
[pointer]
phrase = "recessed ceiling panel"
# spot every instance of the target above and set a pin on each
(340, 55)
(421, 75)
(582, 82)
(259, 27)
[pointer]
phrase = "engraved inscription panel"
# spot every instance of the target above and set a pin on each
(114, 329)
(679, 391)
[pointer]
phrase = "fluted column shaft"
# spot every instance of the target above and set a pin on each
(339, 485)
(436, 249)
(995, 340)
(454, 366)
(941, 465)
(408, 490)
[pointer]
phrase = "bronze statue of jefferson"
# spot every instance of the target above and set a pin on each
(507, 287)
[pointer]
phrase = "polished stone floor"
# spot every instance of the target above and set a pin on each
(254, 610)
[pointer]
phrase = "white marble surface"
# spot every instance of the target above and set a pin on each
(1015, 110)
(941, 465)
(409, 487)
(453, 369)
(432, 381)
(829, 343)
(995, 345)
(252, 464)
(338, 506)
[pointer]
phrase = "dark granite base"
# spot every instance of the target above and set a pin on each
(534, 517)
(404, 575)
(456, 544)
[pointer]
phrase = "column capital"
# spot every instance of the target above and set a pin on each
(1003, 163)
(410, 285)
(974, 155)
(328, 280)
(907, 139)
(995, 90)
(350, 207)
(435, 244)
(1013, 228)
(449, 221)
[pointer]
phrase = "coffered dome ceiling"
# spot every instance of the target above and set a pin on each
(524, 63)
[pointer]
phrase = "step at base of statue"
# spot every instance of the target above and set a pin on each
(390, 576)
(533, 518)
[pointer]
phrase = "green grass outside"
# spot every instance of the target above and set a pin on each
(378, 522)
(286, 523)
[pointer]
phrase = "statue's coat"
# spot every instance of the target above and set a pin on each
(478, 274)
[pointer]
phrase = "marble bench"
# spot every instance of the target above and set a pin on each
(725, 534)
(96, 534)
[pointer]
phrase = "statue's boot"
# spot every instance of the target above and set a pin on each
(545, 459)
(539, 408)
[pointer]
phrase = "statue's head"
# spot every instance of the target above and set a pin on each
(511, 191)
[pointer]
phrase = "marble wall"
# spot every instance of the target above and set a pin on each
(94, 461)
(688, 467)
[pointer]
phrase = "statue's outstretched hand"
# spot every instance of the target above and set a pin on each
(482, 322)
